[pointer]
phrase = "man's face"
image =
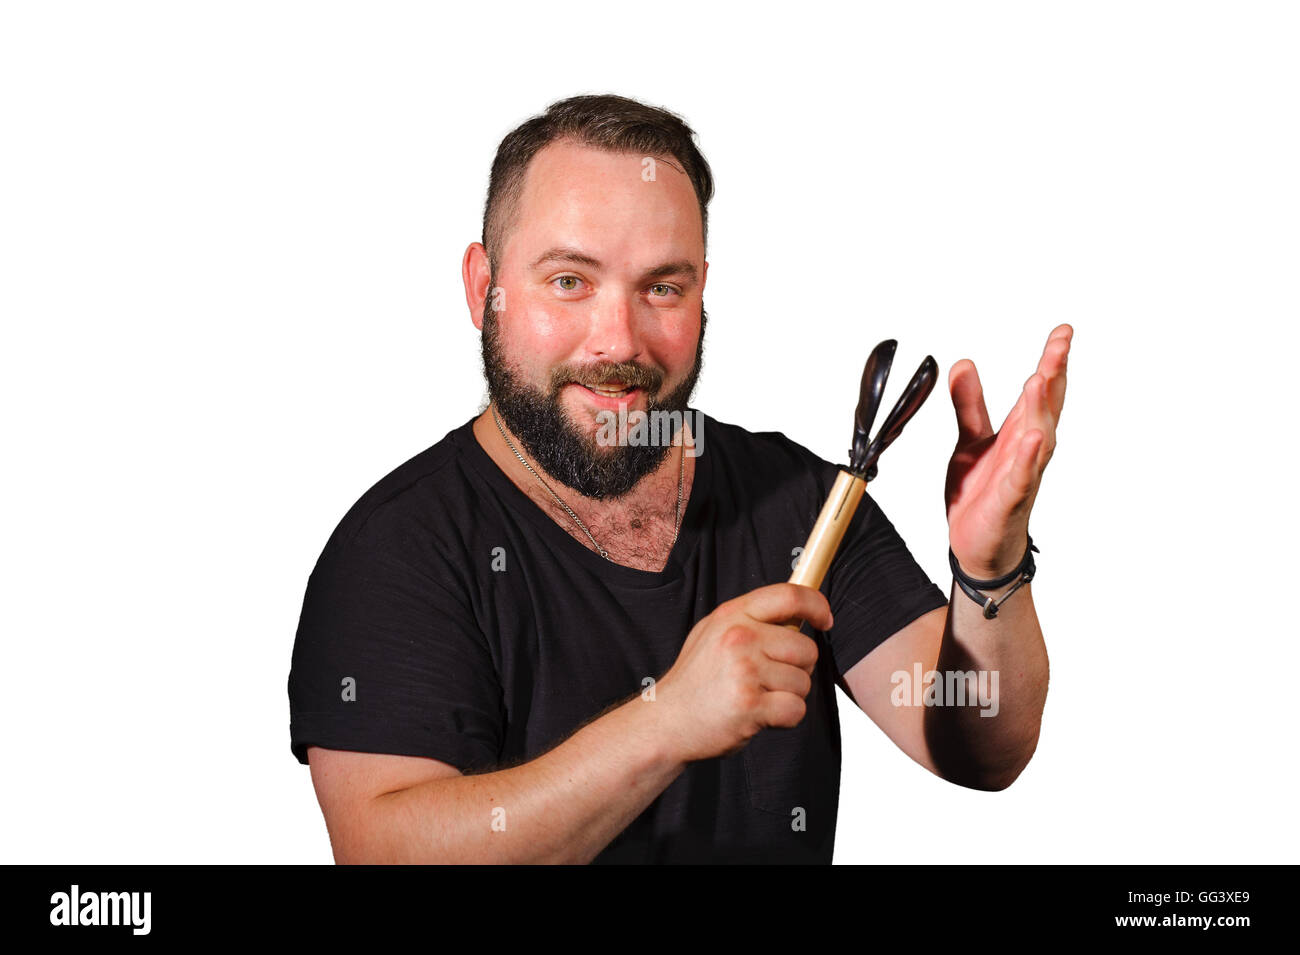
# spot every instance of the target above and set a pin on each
(598, 307)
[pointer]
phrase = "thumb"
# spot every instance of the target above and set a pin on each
(968, 401)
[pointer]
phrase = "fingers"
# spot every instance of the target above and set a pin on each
(1023, 472)
(781, 677)
(1041, 400)
(968, 401)
(778, 603)
(781, 709)
(1024, 445)
(1039, 416)
(1052, 366)
(789, 647)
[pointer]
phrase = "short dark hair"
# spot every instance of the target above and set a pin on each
(605, 121)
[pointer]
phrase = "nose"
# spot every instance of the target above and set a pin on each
(612, 335)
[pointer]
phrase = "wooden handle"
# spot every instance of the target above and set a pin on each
(827, 533)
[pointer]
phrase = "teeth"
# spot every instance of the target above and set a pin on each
(610, 392)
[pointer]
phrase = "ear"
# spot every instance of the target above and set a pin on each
(476, 272)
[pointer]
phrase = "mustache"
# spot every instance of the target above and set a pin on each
(629, 373)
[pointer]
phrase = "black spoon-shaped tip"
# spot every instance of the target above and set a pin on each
(874, 375)
(914, 395)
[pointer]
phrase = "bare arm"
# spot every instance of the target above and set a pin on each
(985, 743)
(738, 671)
(992, 483)
(564, 806)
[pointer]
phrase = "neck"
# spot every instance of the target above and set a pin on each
(636, 529)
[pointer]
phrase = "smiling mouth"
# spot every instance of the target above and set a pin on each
(614, 390)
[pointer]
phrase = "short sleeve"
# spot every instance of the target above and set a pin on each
(875, 587)
(388, 658)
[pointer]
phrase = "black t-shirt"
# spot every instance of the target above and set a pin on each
(450, 617)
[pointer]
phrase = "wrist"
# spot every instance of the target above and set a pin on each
(996, 570)
(989, 592)
(653, 731)
(978, 571)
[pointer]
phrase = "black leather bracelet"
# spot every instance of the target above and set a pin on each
(971, 587)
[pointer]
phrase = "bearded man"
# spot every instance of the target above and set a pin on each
(558, 635)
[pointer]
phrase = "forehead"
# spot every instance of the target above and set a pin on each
(583, 196)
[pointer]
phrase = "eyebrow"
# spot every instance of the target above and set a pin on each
(578, 257)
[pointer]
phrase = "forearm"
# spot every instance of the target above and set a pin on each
(563, 806)
(987, 742)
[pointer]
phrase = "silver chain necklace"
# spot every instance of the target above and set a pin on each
(681, 475)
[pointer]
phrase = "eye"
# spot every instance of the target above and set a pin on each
(663, 291)
(568, 283)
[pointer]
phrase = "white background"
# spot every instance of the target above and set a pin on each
(230, 242)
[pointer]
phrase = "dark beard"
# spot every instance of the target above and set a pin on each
(555, 445)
